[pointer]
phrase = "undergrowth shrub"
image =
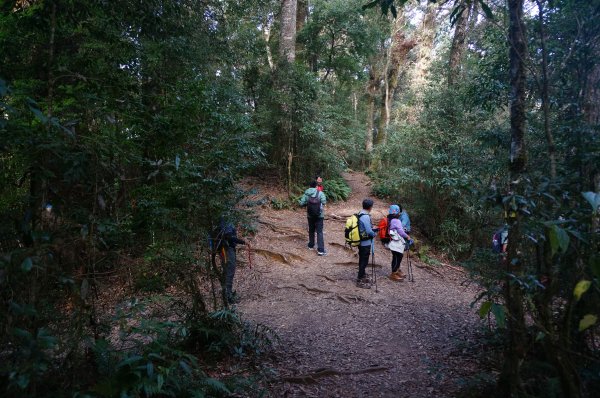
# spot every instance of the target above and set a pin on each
(336, 189)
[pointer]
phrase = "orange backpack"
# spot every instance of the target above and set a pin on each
(384, 230)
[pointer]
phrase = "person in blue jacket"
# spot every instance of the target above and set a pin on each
(367, 233)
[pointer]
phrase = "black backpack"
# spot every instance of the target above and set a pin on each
(313, 207)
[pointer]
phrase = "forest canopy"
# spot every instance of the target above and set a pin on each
(127, 127)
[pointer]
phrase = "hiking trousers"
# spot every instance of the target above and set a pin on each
(363, 260)
(315, 224)
(396, 260)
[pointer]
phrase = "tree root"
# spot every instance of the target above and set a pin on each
(281, 257)
(326, 277)
(349, 299)
(311, 378)
(312, 289)
(345, 247)
(280, 230)
(430, 269)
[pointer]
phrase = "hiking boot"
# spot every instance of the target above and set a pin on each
(310, 247)
(401, 274)
(395, 277)
(321, 253)
(363, 284)
(366, 279)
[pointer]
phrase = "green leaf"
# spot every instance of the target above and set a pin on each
(593, 198)
(150, 369)
(485, 309)
(185, 367)
(486, 9)
(587, 321)
(581, 287)
(39, 115)
(559, 239)
(499, 314)
(27, 264)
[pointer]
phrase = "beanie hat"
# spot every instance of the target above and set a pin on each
(394, 209)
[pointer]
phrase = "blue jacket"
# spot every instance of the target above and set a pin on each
(405, 221)
(312, 192)
(364, 225)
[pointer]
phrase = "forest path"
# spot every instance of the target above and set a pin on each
(408, 339)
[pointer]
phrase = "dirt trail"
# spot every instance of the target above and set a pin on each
(337, 340)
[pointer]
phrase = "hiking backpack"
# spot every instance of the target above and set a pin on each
(352, 231)
(384, 230)
(497, 241)
(313, 207)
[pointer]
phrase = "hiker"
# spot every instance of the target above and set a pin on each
(226, 242)
(367, 233)
(384, 229)
(398, 241)
(319, 184)
(404, 219)
(315, 200)
(500, 240)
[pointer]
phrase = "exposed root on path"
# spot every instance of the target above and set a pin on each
(351, 298)
(282, 230)
(326, 277)
(311, 378)
(314, 289)
(345, 247)
(280, 257)
(430, 269)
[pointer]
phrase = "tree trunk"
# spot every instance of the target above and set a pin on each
(372, 87)
(396, 58)
(591, 116)
(509, 381)
(458, 42)
(287, 44)
(266, 30)
(424, 46)
(301, 14)
(544, 89)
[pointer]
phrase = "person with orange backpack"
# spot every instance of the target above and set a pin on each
(384, 229)
(384, 225)
(399, 240)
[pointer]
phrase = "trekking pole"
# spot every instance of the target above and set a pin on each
(373, 274)
(409, 264)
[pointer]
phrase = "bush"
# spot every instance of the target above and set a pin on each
(336, 189)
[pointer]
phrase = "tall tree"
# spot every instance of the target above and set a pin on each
(287, 43)
(396, 58)
(462, 11)
(424, 37)
(515, 348)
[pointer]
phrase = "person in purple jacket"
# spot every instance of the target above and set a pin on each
(398, 241)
